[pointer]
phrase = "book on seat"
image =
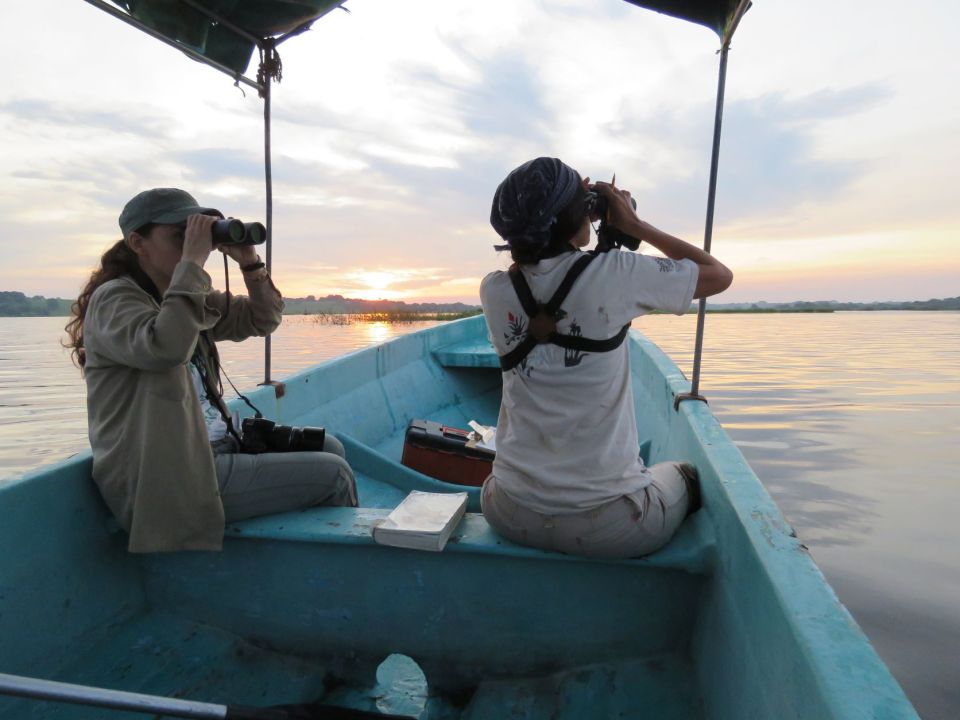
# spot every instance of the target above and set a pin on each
(423, 521)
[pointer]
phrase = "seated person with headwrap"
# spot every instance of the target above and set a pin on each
(567, 474)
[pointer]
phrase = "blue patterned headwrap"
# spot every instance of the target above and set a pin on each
(527, 202)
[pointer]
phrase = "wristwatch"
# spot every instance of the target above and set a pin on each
(252, 267)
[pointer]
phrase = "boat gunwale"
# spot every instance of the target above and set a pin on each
(832, 641)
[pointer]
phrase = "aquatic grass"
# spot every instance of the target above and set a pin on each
(388, 317)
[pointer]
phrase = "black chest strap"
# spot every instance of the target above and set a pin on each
(543, 318)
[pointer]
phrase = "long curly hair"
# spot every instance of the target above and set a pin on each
(116, 262)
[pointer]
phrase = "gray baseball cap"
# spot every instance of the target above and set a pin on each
(160, 205)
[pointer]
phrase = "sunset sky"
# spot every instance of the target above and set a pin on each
(839, 173)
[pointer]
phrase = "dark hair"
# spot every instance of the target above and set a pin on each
(116, 262)
(567, 224)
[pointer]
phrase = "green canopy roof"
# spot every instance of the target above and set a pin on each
(721, 16)
(226, 32)
(231, 38)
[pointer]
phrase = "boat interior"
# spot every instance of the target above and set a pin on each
(304, 606)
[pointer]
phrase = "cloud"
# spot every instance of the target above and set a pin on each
(506, 102)
(211, 165)
(43, 112)
(825, 104)
(769, 159)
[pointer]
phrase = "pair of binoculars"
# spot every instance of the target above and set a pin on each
(231, 231)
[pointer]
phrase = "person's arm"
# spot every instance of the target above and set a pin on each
(714, 277)
(260, 313)
(124, 325)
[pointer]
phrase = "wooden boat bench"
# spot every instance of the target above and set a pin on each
(691, 550)
(469, 353)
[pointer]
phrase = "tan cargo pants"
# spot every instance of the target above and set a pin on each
(255, 485)
(627, 526)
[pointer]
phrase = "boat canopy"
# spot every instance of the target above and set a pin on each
(226, 32)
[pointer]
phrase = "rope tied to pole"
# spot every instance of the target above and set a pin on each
(271, 67)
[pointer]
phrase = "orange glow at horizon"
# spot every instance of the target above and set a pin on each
(398, 284)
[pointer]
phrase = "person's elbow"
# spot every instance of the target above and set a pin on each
(264, 325)
(713, 280)
(264, 328)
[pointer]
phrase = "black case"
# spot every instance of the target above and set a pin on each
(441, 452)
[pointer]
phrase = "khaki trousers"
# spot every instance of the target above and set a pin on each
(254, 485)
(627, 526)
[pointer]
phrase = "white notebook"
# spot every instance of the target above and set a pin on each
(423, 521)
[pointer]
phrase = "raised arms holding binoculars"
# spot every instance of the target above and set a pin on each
(166, 458)
(714, 277)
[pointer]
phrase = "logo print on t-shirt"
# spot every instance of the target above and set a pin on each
(517, 329)
(572, 358)
(666, 264)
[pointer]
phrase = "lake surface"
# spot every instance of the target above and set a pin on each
(851, 420)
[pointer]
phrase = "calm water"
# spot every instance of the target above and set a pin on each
(850, 419)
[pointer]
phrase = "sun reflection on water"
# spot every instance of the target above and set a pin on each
(378, 332)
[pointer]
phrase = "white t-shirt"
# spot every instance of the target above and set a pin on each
(567, 433)
(216, 425)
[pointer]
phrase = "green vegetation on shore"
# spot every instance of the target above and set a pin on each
(16, 304)
(338, 310)
(834, 306)
(339, 305)
(388, 317)
(755, 311)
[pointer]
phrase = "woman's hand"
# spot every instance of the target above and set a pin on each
(620, 212)
(713, 276)
(198, 238)
(241, 254)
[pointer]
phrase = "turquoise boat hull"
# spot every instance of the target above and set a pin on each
(732, 620)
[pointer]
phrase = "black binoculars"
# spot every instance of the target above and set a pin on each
(231, 231)
(608, 237)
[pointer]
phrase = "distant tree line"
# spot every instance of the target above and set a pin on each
(339, 305)
(16, 304)
(834, 306)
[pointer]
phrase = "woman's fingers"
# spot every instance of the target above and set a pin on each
(198, 238)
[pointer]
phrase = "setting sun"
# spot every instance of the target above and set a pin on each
(373, 285)
(377, 280)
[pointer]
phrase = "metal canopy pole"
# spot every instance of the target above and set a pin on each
(694, 393)
(269, 54)
(733, 21)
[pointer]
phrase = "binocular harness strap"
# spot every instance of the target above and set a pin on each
(543, 318)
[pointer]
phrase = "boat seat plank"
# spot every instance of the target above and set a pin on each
(468, 353)
(691, 550)
(380, 477)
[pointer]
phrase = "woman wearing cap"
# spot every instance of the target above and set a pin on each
(143, 332)
(567, 475)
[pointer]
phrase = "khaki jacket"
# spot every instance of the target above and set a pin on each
(151, 455)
